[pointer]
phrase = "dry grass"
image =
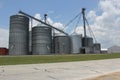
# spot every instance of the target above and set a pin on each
(111, 76)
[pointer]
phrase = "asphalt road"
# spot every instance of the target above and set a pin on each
(60, 71)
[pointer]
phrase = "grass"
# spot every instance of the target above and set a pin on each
(34, 59)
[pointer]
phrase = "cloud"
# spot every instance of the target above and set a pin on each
(4, 36)
(91, 15)
(57, 25)
(106, 25)
(34, 22)
(50, 21)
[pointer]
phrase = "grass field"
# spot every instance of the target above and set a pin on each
(35, 59)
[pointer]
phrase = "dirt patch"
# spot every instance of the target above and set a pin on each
(112, 76)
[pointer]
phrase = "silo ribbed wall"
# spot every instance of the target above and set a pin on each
(87, 42)
(41, 40)
(62, 44)
(19, 35)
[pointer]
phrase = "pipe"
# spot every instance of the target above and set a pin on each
(42, 22)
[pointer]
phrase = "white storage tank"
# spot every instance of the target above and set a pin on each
(76, 43)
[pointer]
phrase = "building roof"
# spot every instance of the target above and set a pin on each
(114, 49)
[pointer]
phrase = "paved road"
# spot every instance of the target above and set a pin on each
(60, 71)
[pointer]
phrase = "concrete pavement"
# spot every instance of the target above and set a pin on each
(60, 71)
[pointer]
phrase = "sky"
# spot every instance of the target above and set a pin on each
(102, 15)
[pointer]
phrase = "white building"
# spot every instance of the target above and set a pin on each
(114, 49)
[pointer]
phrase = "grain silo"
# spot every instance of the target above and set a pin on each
(87, 42)
(19, 35)
(76, 43)
(41, 40)
(97, 48)
(62, 45)
(87, 45)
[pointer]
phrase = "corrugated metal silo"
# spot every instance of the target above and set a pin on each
(87, 42)
(41, 40)
(97, 48)
(76, 43)
(62, 45)
(19, 35)
(87, 45)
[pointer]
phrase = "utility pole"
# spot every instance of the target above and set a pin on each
(83, 12)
